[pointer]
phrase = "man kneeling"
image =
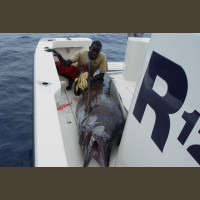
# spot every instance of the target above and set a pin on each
(97, 59)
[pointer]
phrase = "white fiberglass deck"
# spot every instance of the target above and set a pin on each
(68, 125)
(56, 142)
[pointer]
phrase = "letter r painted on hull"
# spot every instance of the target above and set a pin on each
(170, 103)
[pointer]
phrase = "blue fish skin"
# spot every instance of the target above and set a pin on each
(101, 128)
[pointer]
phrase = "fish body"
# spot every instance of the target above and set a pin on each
(101, 128)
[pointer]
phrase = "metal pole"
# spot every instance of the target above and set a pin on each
(89, 86)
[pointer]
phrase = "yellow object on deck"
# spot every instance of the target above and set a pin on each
(82, 81)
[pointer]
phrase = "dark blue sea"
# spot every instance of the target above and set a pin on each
(16, 88)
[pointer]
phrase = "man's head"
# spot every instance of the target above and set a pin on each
(95, 49)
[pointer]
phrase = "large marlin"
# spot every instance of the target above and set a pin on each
(102, 127)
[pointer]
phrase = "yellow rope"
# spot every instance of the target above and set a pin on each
(82, 81)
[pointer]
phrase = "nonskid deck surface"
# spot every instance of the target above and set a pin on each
(68, 125)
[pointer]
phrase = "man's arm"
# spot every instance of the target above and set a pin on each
(103, 68)
(60, 58)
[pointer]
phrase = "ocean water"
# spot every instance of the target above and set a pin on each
(16, 88)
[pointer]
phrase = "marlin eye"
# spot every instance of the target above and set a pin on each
(104, 140)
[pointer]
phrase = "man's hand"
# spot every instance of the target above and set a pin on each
(98, 76)
(55, 53)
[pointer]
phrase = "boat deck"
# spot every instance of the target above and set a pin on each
(68, 125)
(56, 142)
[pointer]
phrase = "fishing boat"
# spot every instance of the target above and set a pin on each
(156, 91)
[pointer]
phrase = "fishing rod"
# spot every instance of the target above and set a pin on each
(89, 86)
